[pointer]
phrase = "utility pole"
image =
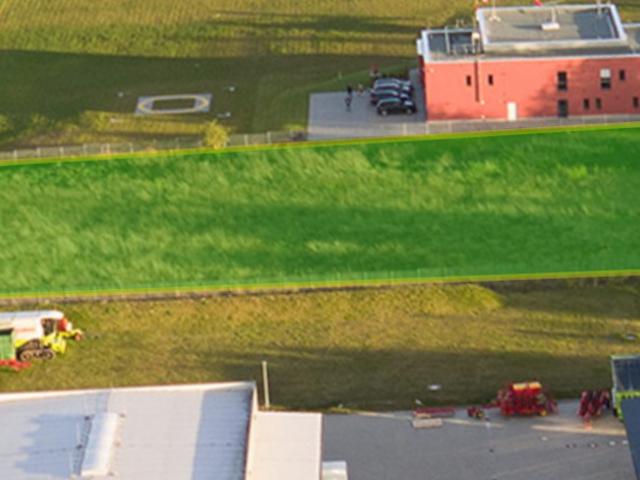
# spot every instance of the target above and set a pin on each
(265, 383)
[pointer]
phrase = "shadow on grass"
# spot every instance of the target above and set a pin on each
(614, 299)
(394, 379)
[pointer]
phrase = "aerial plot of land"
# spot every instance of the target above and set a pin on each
(539, 204)
(359, 349)
(72, 71)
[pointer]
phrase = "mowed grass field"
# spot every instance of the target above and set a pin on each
(71, 70)
(365, 349)
(559, 202)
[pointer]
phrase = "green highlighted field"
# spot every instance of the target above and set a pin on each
(545, 204)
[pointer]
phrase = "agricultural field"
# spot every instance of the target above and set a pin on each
(71, 70)
(356, 349)
(556, 203)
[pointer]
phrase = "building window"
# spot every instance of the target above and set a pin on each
(563, 108)
(636, 102)
(598, 104)
(490, 79)
(623, 75)
(468, 80)
(605, 79)
(586, 104)
(562, 81)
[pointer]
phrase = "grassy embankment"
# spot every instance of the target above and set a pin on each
(71, 70)
(528, 204)
(369, 349)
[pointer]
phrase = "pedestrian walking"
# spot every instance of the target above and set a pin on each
(347, 102)
(349, 91)
(360, 90)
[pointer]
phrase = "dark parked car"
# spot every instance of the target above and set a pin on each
(379, 94)
(392, 105)
(393, 83)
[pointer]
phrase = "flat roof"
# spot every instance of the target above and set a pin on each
(631, 414)
(517, 32)
(170, 432)
(556, 26)
(287, 446)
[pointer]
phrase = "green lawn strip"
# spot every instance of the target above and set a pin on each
(366, 349)
(506, 206)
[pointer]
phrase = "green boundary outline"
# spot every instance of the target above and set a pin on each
(312, 284)
(328, 143)
(318, 284)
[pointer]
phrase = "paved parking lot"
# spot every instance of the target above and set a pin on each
(329, 118)
(557, 447)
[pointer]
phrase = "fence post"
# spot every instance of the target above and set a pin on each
(15, 154)
(269, 137)
(38, 151)
(62, 151)
(246, 139)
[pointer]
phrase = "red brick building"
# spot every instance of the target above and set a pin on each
(517, 62)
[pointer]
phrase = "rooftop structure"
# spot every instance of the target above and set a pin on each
(208, 431)
(554, 27)
(558, 30)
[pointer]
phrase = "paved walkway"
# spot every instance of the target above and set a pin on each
(557, 447)
(329, 118)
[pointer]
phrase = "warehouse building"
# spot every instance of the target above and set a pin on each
(205, 431)
(534, 61)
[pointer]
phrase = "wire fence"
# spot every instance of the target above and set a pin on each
(336, 130)
(154, 145)
(490, 272)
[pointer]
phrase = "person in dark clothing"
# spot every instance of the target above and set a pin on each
(349, 90)
(347, 102)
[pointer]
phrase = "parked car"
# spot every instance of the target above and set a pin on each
(393, 105)
(377, 95)
(393, 82)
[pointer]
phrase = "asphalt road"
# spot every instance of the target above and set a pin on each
(557, 447)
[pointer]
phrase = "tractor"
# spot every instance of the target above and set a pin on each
(39, 334)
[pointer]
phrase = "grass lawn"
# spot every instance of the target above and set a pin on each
(69, 65)
(376, 349)
(535, 203)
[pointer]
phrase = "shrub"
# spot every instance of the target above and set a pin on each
(216, 135)
(6, 125)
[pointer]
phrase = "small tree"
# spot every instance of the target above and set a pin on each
(216, 135)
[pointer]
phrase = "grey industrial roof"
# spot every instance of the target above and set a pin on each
(178, 432)
(516, 32)
(631, 414)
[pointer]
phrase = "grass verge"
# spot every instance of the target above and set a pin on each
(362, 349)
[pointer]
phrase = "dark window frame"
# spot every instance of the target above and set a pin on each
(563, 81)
(469, 81)
(586, 104)
(490, 79)
(636, 102)
(598, 104)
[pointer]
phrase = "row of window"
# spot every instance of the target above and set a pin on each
(605, 79)
(563, 79)
(586, 103)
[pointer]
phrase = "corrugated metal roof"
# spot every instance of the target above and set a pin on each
(631, 413)
(285, 446)
(180, 432)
